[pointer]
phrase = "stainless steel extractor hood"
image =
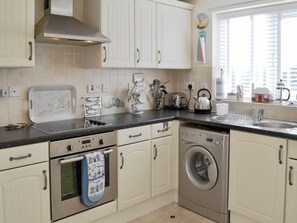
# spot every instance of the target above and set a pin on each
(59, 26)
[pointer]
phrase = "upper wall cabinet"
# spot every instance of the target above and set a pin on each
(143, 33)
(117, 23)
(17, 33)
(173, 37)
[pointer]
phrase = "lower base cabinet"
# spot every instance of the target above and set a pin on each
(161, 165)
(24, 197)
(134, 174)
(257, 177)
(291, 185)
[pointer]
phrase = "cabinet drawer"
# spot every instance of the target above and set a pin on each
(23, 155)
(161, 129)
(292, 149)
(136, 134)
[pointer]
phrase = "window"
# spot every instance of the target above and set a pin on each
(258, 46)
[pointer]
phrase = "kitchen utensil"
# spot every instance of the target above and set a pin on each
(175, 100)
(222, 108)
(279, 91)
(158, 90)
(203, 102)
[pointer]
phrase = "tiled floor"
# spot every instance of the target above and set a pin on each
(172, 213)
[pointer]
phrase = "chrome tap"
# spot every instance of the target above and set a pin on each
(261, 114)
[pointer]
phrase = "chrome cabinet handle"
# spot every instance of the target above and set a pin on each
(156, 152)
(133, 136)
(45, 179)
(163, 130)
(290, 176)
(31, 50)
(159, 52)
(138, 55)
(280, 154)
(20, 157)
(104, 48)
(121, 167)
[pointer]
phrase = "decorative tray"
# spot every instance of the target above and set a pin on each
(93, 106)
(52, 103)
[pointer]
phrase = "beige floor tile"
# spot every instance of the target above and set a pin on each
(172, 213)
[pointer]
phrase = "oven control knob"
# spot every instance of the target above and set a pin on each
(101, 141)
(69, 148)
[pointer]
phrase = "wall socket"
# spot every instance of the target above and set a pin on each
(14, 91)
(3, 92)
(105, 88)
(203, 85)
(94, 88)
(186, 85)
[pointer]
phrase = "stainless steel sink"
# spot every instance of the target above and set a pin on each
(276, 124)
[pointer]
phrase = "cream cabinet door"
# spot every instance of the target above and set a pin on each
(23, 196)
(291, 196)
(134, 174)
(117, 23)
(161, 165)
(145, 34)
(17, 33)
(257, 176)
(173, 37)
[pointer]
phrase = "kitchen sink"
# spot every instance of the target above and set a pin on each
(276, 124)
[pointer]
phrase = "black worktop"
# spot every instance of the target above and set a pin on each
(30, 135)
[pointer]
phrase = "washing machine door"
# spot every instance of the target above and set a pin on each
(201, 167)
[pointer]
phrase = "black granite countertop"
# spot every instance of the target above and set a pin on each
(30, 135)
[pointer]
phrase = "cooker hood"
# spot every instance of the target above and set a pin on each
(59, 26)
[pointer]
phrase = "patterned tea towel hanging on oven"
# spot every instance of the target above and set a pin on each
(93, 178)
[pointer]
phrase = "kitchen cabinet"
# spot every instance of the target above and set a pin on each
(257, 177)
(291, 185)
(116, 20)
(24, 192)
(17, 33)
(173, 37)
(134, 168)
(145, 34)
(134, 174)
(161, 159)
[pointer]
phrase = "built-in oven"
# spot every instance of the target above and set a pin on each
(65, 165)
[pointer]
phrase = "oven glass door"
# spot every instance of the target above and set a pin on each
(66, 184)
(71, 178)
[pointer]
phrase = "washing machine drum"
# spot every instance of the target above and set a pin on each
(201, 167)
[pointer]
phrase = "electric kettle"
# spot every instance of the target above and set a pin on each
(202, 102)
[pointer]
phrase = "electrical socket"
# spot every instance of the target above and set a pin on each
(105, 88)
(186, 85)
(203, 85)
(94, 88)
(3, 92)
(14, 91)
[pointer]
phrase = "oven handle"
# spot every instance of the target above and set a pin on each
(107, 151)
(63, 161)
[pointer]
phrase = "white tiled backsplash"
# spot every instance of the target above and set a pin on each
(61, 64)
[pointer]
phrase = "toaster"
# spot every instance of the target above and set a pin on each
(175, 100)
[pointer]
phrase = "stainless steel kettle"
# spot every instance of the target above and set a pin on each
(203, 102)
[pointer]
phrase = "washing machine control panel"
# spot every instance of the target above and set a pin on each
(202, 137)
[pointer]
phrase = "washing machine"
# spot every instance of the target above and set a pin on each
(203, 172)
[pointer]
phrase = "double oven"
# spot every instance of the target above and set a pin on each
(65, 165)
